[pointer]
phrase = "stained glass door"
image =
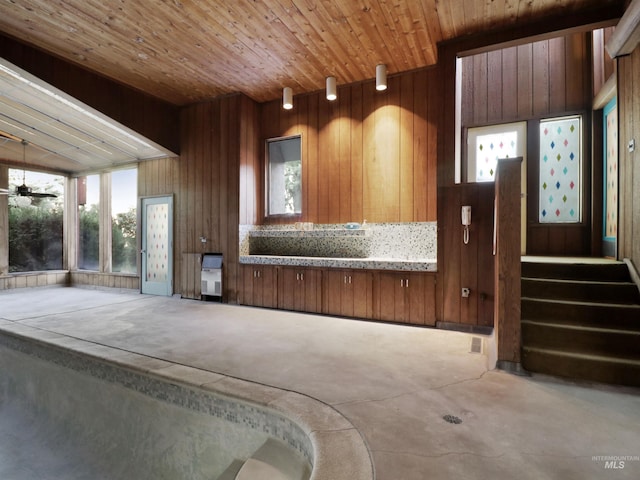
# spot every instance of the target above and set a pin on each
(610, 221)
(157, 245)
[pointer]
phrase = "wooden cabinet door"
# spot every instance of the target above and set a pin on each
(347, 293)
(260, 286)
(360, 303)
(332, 286)
(405, 297)
(299, 289)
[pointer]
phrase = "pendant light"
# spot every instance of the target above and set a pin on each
(331, 89)
(381, 77)
(287, 98)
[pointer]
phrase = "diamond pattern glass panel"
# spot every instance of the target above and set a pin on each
(157, 243)
(611, 175)
(560, 167)
(490, 148)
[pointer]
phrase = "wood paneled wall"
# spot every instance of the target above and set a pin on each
(548, 77)
(153, 118)
(466, 265)
(629, 162)
(216, 138)
(603, 64)
(368, 155)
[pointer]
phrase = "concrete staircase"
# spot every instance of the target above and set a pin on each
(582, 321)
(272, 461)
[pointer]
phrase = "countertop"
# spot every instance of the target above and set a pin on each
(413, 265)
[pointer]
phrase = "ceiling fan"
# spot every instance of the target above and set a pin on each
(24, 190)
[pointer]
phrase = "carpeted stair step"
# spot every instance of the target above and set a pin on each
(581, 366)
(579, 339)
(609, 272)
(588, 291)
(588, 314)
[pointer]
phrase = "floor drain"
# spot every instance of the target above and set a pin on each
(452, 419)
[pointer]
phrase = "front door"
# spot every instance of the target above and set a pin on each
(157, 245)
(610, 224)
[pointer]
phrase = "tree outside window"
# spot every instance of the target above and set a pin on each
(285, 176)
(124, 198)
(89, 222)
(35, 223)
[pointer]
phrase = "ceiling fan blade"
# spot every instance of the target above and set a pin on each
(42, 195)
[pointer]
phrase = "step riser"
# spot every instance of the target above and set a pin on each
(587, 315)
(615, 344)
(579, 368)
(595, 272)
(587, 292)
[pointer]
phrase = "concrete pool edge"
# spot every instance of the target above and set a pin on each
(338, 450)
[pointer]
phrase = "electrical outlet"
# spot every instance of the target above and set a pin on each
(632, 145)
(466, 292)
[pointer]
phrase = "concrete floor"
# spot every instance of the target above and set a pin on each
(394, 383)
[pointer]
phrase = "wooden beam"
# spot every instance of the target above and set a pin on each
(543, 29)
(606, 93)
(627, 34)
(507, 264)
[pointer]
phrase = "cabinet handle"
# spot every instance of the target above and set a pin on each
(345, 279)
(407, 283)
(349, 279)
(298, 277)
(302, 277)
(402, 283)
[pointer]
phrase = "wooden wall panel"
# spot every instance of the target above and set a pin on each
(533, 80)
(219, 142)
(603, 64)
(469, 265)
(629, 183)
(368, 155)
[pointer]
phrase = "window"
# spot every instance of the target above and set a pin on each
(560, 170)
(284, 176)
(124, 198)
(89, 222)
(35, 222)
(489, 144)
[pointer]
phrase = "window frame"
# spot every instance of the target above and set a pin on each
(267, 183)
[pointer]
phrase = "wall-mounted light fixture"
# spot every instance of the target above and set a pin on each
(331, 88)
(287, 98)
(381, 77)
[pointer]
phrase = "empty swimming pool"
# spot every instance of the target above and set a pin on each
(96, 412)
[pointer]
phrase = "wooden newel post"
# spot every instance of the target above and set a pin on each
(507, 263)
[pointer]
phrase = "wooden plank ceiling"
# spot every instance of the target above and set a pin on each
(185, 51)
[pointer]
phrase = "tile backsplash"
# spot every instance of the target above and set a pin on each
(406, 241)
